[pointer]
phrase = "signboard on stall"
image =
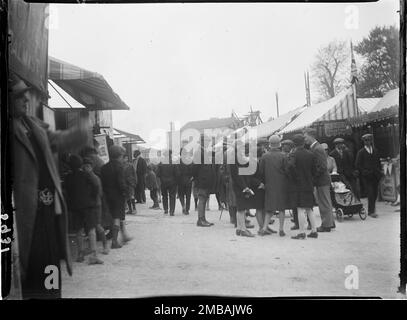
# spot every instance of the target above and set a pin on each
(337, 128)
(28, 50)
(103, 149)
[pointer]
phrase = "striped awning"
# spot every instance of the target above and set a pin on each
(88, 88)
(340, 107)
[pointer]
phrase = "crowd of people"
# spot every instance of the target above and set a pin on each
(292, 175)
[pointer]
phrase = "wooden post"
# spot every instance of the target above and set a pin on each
(278, 112)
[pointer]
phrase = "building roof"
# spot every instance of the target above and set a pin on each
(212, 123)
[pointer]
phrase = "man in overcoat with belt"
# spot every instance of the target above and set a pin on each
(40, 209)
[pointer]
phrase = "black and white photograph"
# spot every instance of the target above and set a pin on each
(247, 150)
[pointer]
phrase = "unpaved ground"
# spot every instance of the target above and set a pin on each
(171, 256)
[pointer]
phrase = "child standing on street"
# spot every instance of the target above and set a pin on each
(82, 193)
(152, 185)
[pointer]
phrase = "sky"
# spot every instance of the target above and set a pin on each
(188, 62)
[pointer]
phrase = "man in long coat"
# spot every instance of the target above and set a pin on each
(368, 165)
(302, 167)
(322, 182)
(40, 208)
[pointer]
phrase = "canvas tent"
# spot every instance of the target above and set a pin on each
(390, 99)
(340, 107)
(270, 127)
(86, 87)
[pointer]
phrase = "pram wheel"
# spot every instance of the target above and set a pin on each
(339, 215)
(362, 214)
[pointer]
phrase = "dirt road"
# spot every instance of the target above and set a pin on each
(171, 256)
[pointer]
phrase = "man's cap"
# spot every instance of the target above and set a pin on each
(275, 141)
(367, 136)
(298, 139)
(116, 151)
(136, 153)
(17, 86)
(287, 142)
(338, 140)
(325, 146)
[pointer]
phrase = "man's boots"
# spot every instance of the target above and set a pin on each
(115, 234)
(125, 236)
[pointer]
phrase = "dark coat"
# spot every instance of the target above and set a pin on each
(368, 165)
(82, 190)
(168, 174)
(344, 163)
(272, 170)
(151, 180)
(114, 182)
(185, 173)
(141, 168)
(302, 168)
(240, 182)
(322, 177)
(26, 176)
(131, 179)
(205, 175)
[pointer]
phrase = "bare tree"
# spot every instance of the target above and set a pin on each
(330, 70)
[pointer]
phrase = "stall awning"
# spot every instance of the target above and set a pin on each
(86, 87)
(339, 107)
(133, 138)
(60, 99)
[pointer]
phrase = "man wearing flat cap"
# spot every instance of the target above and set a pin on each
(368, 165)
(322, 181)
(345, 164)
(40, 208)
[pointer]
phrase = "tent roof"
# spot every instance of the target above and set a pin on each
(87, 87)
(270, 127)
(317, 111)
(390, 99)
(367, 104)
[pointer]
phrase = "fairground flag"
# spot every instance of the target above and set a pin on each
(353, 70)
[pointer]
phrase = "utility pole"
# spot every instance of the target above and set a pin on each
(278, 112)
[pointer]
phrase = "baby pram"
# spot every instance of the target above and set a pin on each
(344, 201)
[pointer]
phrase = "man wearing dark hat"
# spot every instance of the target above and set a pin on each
(301, 167)
(40, 208)
(368, 165)
(287, 147)
(322, 181)
(140, 165)
(345, 164)
(115, 191)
